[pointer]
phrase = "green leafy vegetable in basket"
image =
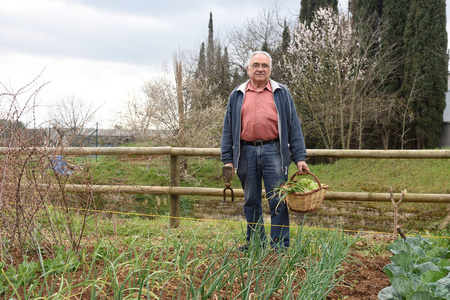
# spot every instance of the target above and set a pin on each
(304, 185)
(301, 186)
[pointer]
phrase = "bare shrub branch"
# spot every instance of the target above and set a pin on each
(35, 210)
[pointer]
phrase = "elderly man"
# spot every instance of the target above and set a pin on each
(261, 135)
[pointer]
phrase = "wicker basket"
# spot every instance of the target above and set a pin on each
(308, 202)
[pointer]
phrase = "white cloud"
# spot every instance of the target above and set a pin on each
(104, 84)
(100, 51)
(75, 30)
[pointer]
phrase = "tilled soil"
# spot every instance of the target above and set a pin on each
(364, 277)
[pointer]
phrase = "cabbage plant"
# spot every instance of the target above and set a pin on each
(419, 270)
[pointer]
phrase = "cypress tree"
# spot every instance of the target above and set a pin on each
(285, 38)
(221, 76)
(366, 20)
(391, 49)
(237, 78)
(226, 78)
(366, 8)
(265, 47)
(218, 73)
(309, 7)
(201, 67)
(305, 11)
(393, 22)
(278, 67)
(214, 65)
(210, 52)
(426, 68)
(218, 61)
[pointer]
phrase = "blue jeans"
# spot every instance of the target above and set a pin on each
(257, 164)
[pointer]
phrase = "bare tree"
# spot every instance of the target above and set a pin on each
(263, 32)
(155, 114)
(138, 116)
(161, 98)
(69, 118)
(169, 112)
(203, 126)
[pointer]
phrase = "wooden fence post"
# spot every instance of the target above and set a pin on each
(174, 211)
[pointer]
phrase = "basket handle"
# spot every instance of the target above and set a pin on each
(307, 173)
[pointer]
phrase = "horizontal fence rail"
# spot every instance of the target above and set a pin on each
(195, 191)
(175, 190)
(176, 151)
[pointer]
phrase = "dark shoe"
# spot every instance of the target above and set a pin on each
(280, 250)
(243, 248)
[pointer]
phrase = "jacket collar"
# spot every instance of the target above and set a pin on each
(273, 84)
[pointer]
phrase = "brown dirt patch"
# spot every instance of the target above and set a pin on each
(364, 277)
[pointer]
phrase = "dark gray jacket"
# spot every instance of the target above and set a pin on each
(292, 145)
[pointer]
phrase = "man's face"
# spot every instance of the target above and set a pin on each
(259, 69)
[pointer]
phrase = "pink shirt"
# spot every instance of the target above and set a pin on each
(259, 117)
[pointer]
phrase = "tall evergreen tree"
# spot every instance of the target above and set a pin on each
(306, 11)
(366, 16)
(426, 68)
(309, 7)
(217, 78)
(285, 38)
(393, 23)
(218, 58)
(221, 77)
(278, 67)
(226, 82)
(380, 25)
(201, 67)
(214, 60)
(210, 52)
(237, 78)
(265, 47)
(366, 8)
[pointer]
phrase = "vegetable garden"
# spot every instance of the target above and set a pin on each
(85, 246)
(151, 261)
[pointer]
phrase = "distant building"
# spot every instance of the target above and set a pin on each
(105, 138)
(88, 137)
(444, 140)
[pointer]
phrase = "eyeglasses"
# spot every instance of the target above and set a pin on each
(257, 66)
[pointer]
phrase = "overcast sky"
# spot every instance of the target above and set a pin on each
(102, 51)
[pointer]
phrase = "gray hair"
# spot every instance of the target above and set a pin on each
(259, 52)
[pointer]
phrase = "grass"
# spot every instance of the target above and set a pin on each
(378, 175)
(346, 175)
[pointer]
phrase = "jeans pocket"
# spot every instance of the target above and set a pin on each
(276, 146)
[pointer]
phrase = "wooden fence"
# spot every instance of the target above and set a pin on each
(175, 191)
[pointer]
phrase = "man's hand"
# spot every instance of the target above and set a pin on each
(232, 167)
(302, 167)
